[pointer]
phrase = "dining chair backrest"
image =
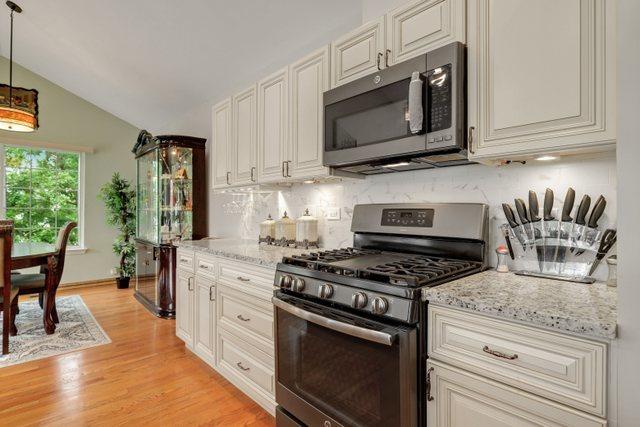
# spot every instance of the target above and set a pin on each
(61, 245)
(6, 242)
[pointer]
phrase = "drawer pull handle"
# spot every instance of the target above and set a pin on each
(239, 365)
(243, 279)
(429, 397)
(495, 353)
(206, 267)
(184, 260)
(244, 319)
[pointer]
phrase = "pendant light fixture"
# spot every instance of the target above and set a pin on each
(15, 119)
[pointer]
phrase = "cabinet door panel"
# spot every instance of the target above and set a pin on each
(309, 79)
(273, 120)
(244, 137)
(221, 153)
(537, 75)
(423, 25)
(358, 53)
(184, 308)
(204, 320)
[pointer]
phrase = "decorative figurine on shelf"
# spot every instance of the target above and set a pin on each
(181, 173)
(306, 231)
(267, 231)
(285, 231)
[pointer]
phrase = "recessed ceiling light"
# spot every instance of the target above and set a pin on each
(546, 158)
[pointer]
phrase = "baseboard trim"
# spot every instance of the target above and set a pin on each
(89, 283)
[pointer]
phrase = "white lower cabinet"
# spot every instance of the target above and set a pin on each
(461, 399)
(205, 319)
(224, 315)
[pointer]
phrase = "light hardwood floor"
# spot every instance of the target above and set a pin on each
(146, 376)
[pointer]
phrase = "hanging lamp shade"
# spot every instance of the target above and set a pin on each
(18, 107)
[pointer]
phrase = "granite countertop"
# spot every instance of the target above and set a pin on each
(243, 250)
(589, 310)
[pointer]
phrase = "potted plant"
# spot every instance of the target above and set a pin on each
(119, 200)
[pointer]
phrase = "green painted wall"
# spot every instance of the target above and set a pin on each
(67, 119)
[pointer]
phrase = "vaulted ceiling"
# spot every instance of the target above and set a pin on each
(154, 63)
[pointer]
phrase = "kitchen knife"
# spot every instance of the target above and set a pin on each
(511, 219)
(581, 215)
(565, 224)
(548, 205)
(521, 208)
(534, 211)
(609, 238)
(550, 226)
(592, 224)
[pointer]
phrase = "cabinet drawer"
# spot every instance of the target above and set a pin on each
(560, 367)
(237, 356)
(246, 316)
(185, 260)
(460, 398)
(246, 276)
(206, 265)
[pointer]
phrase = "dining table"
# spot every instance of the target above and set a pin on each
(37, 254)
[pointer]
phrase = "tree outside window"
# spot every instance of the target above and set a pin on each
(41, 192)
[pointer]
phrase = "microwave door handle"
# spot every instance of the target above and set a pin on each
(416, 113)
(345, 328)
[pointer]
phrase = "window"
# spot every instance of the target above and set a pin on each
(42, 191)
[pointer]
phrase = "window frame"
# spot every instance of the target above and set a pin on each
(80, 247)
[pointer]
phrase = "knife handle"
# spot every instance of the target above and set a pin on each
(511, 218)
(548, 205)
(569, 199)
(596, 213)
(522, 211)
(583, 208)
(534, 208)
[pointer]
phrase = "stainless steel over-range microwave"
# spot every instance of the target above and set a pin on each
(408, 116)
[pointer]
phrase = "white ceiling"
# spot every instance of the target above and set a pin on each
(154, 63)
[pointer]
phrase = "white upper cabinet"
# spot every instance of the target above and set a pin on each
(244, 152)
(309, 78)
(220, 160)
(273, 126)
(358, 53)
(541, 76)
(423, 25)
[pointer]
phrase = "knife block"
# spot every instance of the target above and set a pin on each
(554, 250)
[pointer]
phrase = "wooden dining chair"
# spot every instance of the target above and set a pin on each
(36, 283)
(9, 293)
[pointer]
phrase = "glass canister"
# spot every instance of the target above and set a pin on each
(306, 231)
(285, 231)
(267, 231)
(612, 263)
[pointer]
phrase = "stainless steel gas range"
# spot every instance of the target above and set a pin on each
(350, 323)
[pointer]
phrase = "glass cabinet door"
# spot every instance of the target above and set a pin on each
(148, 218)
(176, 194)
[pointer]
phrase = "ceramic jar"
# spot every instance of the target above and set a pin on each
(267, 231)
(306, 231)
(285, 231)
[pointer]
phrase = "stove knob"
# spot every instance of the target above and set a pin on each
(285, 281)
(298, 285)
(325, 291)
(359, 300)
(379, 305)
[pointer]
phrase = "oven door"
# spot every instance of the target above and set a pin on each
(337, 369)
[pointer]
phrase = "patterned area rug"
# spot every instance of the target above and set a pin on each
(77, 330)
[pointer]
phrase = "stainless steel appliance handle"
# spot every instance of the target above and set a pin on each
(416, 112)
(345, 328)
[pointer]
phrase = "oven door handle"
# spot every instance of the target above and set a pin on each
(345, 328)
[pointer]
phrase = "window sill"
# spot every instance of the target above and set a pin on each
(77, 250)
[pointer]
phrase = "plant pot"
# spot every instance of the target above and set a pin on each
(122, 282)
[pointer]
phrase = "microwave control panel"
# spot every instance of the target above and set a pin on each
(439, 98)
(407, 217)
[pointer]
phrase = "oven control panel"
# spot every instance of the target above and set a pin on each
(407, 217)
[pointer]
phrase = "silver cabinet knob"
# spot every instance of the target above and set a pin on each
(298, 285)
(379, 305)
(359, 300)
(325, 291)
(285, 281)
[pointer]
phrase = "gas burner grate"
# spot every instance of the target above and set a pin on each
(417, 270)
(321, 260)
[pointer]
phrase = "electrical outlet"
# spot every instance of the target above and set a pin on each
(332, 213)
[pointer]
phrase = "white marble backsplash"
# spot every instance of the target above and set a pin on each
(239, 215)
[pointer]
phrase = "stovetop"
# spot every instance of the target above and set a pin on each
(389, 268)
